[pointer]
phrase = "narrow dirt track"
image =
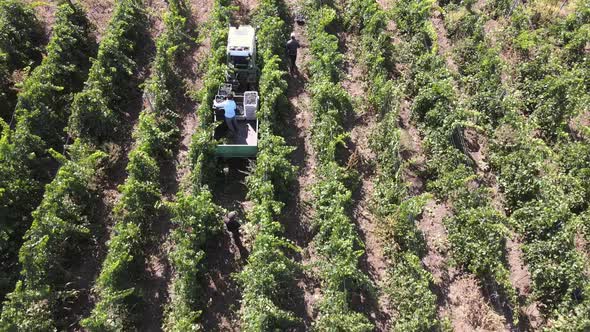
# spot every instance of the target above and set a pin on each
(298, 212)
(464, 301)
(99, 13)
(227, 255)
(113, 177)
(443, 42)
(360, 125)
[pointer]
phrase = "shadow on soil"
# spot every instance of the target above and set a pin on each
(224, 255)
(86, 269)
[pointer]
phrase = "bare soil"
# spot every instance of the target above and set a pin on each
(222, 294)
(154, 282)
(226, 255)
(444, 44)
(244, 14)
(579, 123)
(386, 4)
(583, 247)
(361, 124)
(373, 262)
(99, 13)
(114, 175)
(201, 10)
(45, 12)
(469, 310)
(353, 79)
(520, 278)
(155, 10)
(298, 212)
(192, 82)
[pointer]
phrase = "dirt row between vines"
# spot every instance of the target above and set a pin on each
(466, 292)
(361, 124)
(227, 255)
(158, 273)
(116, 172)
(298, 212)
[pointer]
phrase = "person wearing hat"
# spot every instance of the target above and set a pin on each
(229, 108)
(292, 46)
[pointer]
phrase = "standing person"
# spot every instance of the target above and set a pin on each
(292, 46)
(229, 107)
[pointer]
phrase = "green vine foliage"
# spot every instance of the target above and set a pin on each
(155, 136)
(196, 217)
(336, 240)
(60, 230)
(476, 230)
(60, 225)
(532, 148)
(20, 36)
(270, 273)
(411, 17)
(40, 116)
(97, 111)
(407, 283)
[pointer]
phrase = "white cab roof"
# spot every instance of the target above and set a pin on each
(241, 41)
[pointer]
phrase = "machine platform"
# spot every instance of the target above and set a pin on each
(242, 145)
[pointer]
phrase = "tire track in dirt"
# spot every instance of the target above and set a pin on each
(227, 255)
(298, 212)
(154, 282)
(99, 13)
(478, 148)
(115, 175)
(460, 294)
(360, 125)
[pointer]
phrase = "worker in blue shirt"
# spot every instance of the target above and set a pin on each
(229, 106)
